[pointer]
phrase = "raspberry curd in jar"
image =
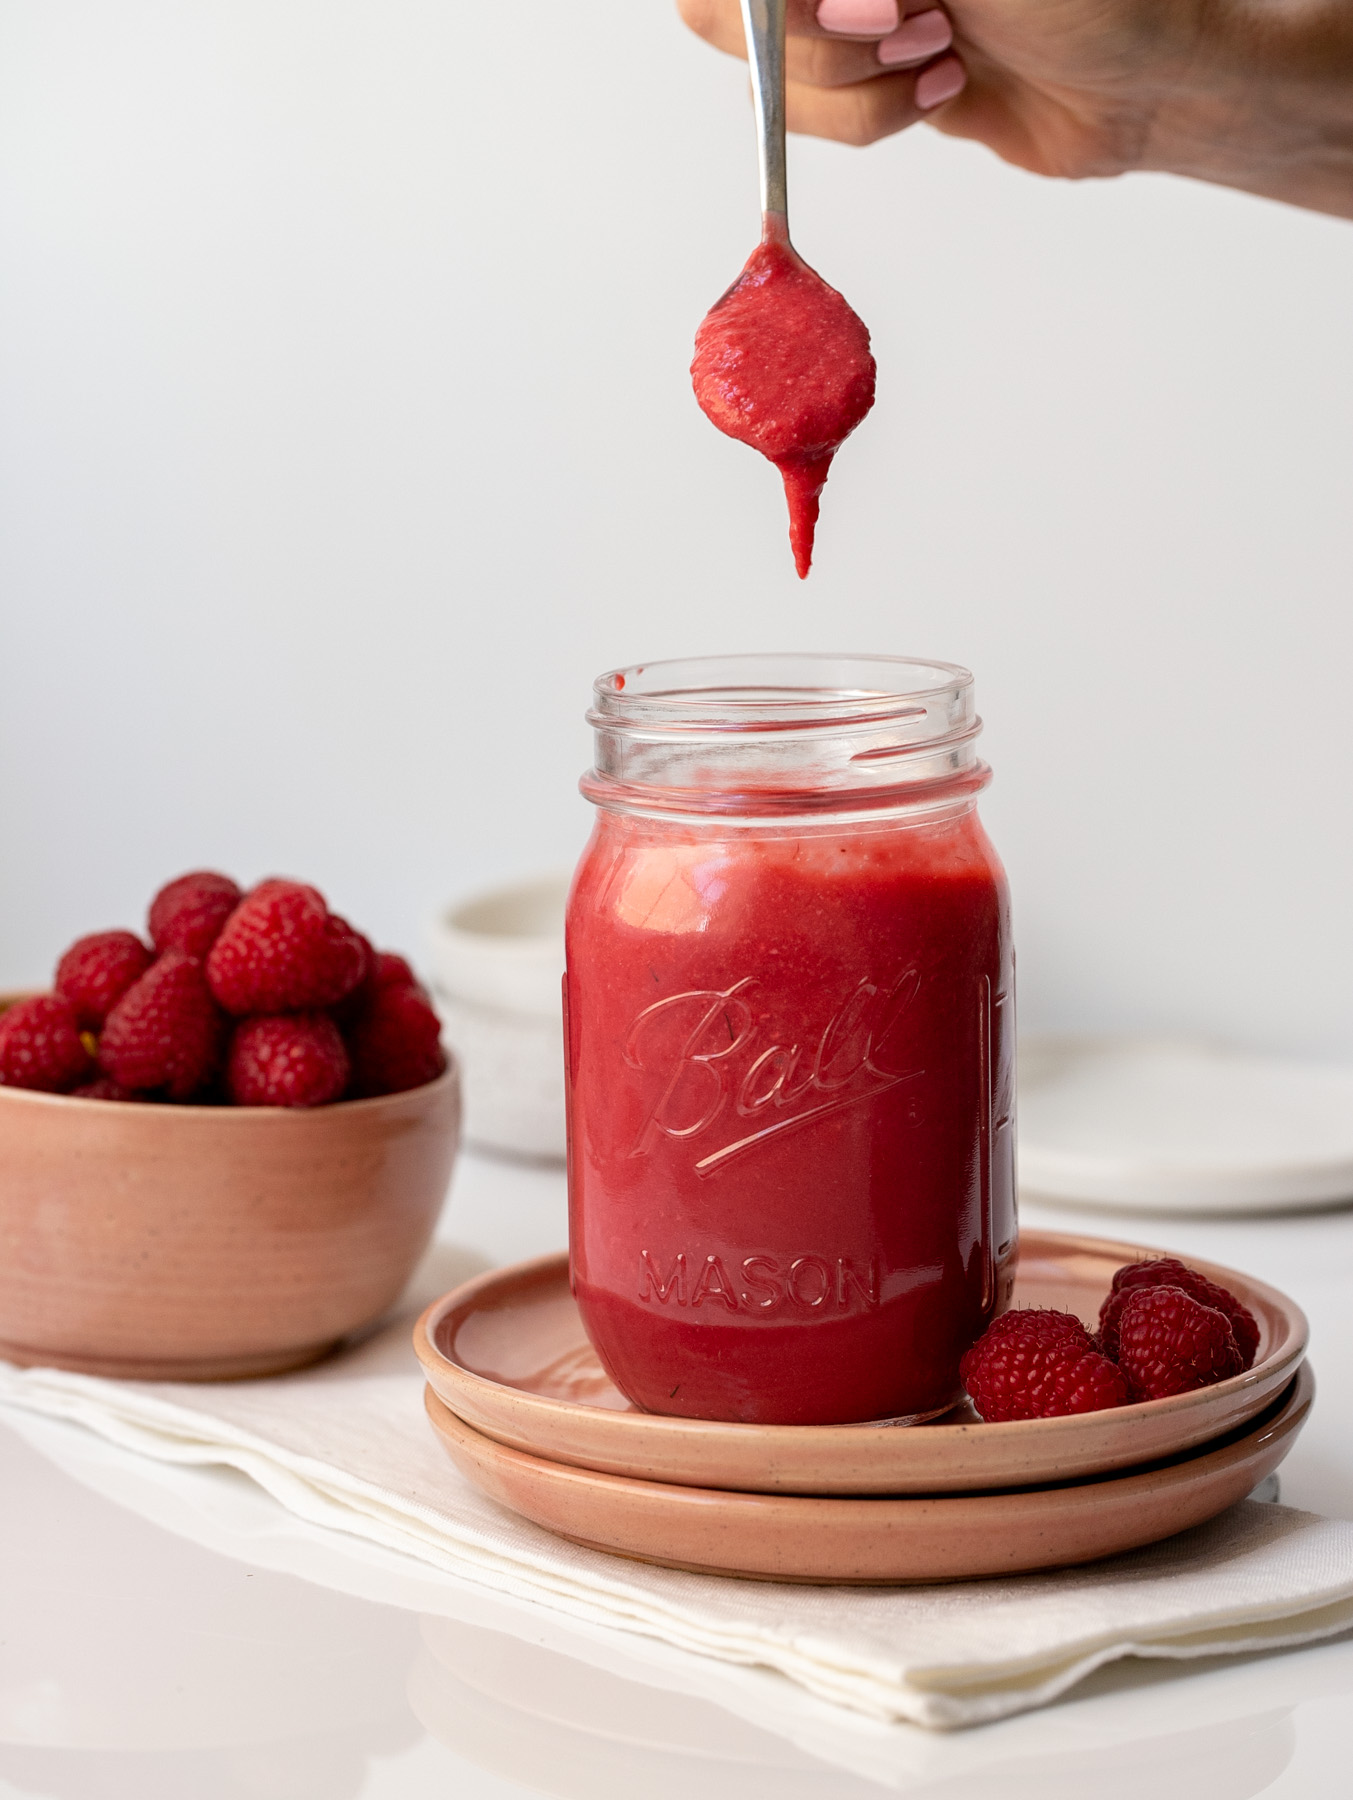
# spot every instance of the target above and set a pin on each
(790, 1041)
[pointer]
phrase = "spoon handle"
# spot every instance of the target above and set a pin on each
(763, 21)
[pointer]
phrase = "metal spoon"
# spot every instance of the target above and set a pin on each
(763, 22)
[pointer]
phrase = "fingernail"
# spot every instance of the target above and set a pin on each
(924, 34)
(859, 18)
(935, 86)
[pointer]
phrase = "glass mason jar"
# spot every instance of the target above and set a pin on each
(790, 1040)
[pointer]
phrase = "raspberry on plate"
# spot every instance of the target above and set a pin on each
(395, 1043)
(187, 914)
(41, 1047)
(1168, 1271)
(291, 1059)
(1170, 1343)
(96, 972)
(1039, 1364)
(1044, 1322)
(166, 1032)
(282, 950)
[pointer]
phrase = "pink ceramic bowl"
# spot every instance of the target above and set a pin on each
(197, 1243)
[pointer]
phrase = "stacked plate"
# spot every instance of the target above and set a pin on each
(525, 1410)
(1172, 1126)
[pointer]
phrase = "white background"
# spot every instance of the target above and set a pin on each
(345, 434)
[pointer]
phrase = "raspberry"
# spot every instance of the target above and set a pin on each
(96, 972)
(40, 1045)
(282, 950)
(1086, 1383)
(1168, 1271)
(351, 1006)
(104, 1088)
(1038, 1364)
(390, 970)
(166, 1031)
(1044, 1322)
(395, 1042)
(296, 1059)
(188, 914)
(384, 970)
(1170, 1343)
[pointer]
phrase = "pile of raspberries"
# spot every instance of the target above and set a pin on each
(263, 998)
(1164, 1329)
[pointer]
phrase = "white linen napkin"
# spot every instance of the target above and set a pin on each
(347, 1445)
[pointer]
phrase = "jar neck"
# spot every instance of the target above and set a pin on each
(774, 737)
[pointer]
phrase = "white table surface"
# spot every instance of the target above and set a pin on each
(171, 1632)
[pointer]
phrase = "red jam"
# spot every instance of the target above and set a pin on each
(783, 364)
(791, 1162)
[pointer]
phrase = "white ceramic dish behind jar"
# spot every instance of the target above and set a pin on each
(498, 962)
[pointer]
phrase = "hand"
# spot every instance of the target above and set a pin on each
(1253, 94)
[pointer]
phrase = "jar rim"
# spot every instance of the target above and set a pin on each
(784, 691)
(782, 734)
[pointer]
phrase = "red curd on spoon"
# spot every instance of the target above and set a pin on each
(782, 363)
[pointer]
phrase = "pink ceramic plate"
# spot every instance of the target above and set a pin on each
(508, 1354)
(793, 1537)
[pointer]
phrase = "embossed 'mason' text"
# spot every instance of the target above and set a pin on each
(759, 1284)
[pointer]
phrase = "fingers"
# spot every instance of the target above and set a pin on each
(919, 37)
(856, 18)
(855, 70)
(830, 62)
(871, 38)
(803, 18)
(869, 110)
(942, 81)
